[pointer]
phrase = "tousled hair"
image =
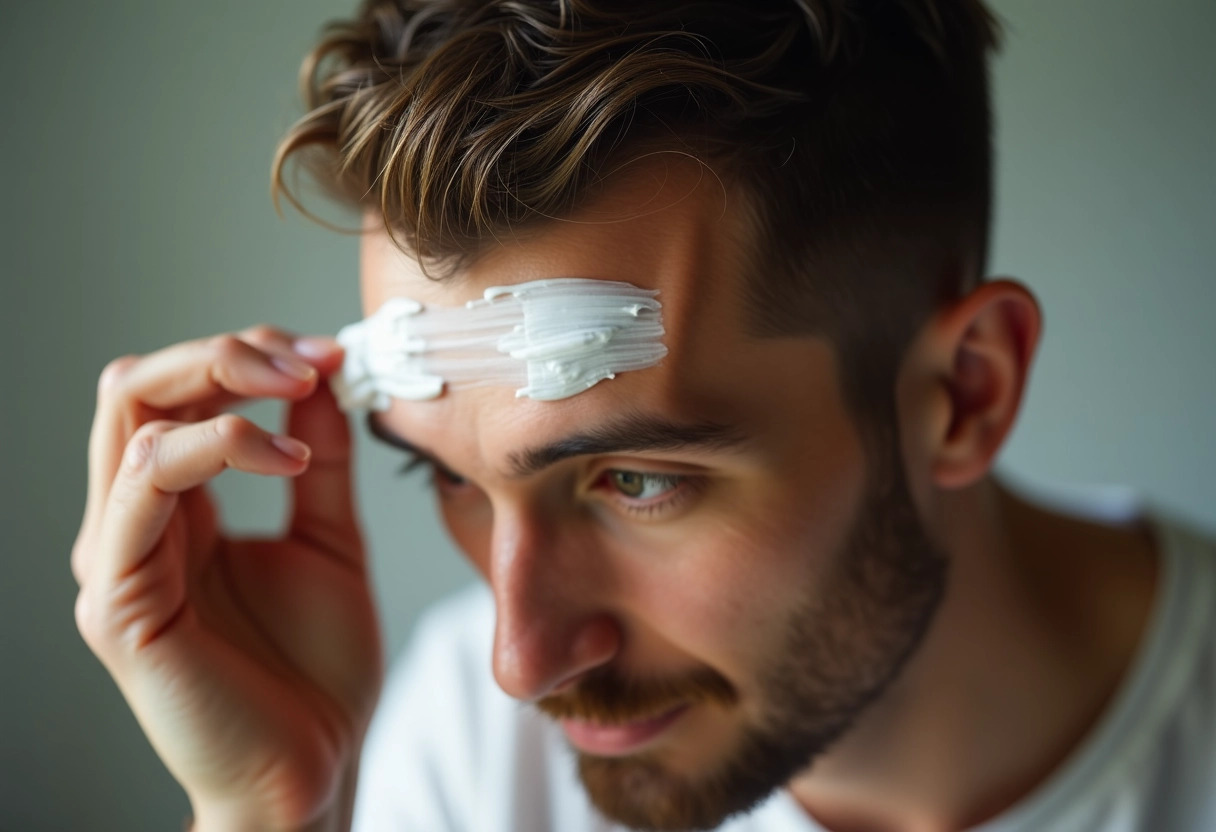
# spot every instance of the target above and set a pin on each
(857, 131)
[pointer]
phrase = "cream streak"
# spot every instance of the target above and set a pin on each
(551, 339)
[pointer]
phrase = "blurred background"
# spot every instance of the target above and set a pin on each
(136, 140)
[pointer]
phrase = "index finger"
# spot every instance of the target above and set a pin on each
(132, 391)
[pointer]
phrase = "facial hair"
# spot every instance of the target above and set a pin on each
(840, 651)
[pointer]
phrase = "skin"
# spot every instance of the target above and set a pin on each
(581, 584)
(260, 716)
(214, 641)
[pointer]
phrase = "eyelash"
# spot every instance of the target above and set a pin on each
(682, 486)
(414, 462)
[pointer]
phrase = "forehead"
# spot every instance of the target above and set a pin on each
(670, 226)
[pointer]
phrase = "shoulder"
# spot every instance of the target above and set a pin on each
(1170, 713)
(419, 763)
(1151, 761)
(1186, 767)
(441, 678)
(452, 637)
(448, 751)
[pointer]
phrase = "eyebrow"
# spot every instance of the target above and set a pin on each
(633, 433)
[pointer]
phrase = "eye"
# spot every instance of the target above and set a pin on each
(447, 479)
(438, 475)
(637, 485)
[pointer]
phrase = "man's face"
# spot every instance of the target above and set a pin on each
(697, 569)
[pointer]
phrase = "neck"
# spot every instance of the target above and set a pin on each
(1040, 622)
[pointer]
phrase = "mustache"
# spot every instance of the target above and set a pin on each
(606, 696)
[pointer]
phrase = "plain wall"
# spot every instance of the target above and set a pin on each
(136, 140)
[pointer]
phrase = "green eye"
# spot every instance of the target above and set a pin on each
(629, 483)
(639, 486)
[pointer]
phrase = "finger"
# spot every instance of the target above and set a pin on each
(197, 507)
(132, 391)
(195, 371)
(87, 541)
(110, 431)
(107, 381)
(323, 507)
(323, 352)
(164, 459)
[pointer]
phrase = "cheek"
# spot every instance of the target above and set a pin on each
(721, 589)
(722, 596)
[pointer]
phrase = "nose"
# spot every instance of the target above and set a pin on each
(552, 625)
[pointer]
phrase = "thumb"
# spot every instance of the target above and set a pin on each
(323, 505)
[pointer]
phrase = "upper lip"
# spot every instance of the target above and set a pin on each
(634, 720)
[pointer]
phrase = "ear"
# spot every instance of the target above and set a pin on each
(979, 351)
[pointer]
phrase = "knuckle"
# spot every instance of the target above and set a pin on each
(226, 347)
(78, 558)
(231, 428)
(154, 428)
(140, 451)
(87, 622)
(113, 373)
(264, 335)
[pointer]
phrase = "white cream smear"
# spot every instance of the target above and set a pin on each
(551, 338)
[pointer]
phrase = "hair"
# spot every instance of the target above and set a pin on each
(857, 133)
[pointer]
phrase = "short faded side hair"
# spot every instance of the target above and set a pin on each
(858, 132)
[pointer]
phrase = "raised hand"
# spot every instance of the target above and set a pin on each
(252, 665)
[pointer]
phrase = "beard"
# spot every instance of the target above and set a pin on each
(840, 650)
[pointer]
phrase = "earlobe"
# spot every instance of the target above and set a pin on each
(989, 338)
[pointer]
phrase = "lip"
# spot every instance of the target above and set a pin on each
(619, 738)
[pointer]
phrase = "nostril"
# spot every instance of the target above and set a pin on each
(562, 687)
(596, 643)
(541, 662)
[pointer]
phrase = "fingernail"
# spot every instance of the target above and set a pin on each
(315, 347)
(293, 448)
(294, 369)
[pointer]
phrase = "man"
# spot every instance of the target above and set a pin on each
(764, 583)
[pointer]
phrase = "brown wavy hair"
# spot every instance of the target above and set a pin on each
(858, 132)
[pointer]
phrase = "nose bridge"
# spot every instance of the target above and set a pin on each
(550, 626)
(520, 563)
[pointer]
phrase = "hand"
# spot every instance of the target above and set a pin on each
(252, 665)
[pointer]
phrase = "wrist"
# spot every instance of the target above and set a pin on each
(216, 817)
(212, 815)
(219, 817)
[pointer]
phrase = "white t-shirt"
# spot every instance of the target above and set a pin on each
(449, 752)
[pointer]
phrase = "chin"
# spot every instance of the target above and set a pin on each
(708, 770)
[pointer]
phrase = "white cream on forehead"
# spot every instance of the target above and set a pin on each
(551, 339)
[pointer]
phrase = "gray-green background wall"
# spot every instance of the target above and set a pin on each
(136, 139)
